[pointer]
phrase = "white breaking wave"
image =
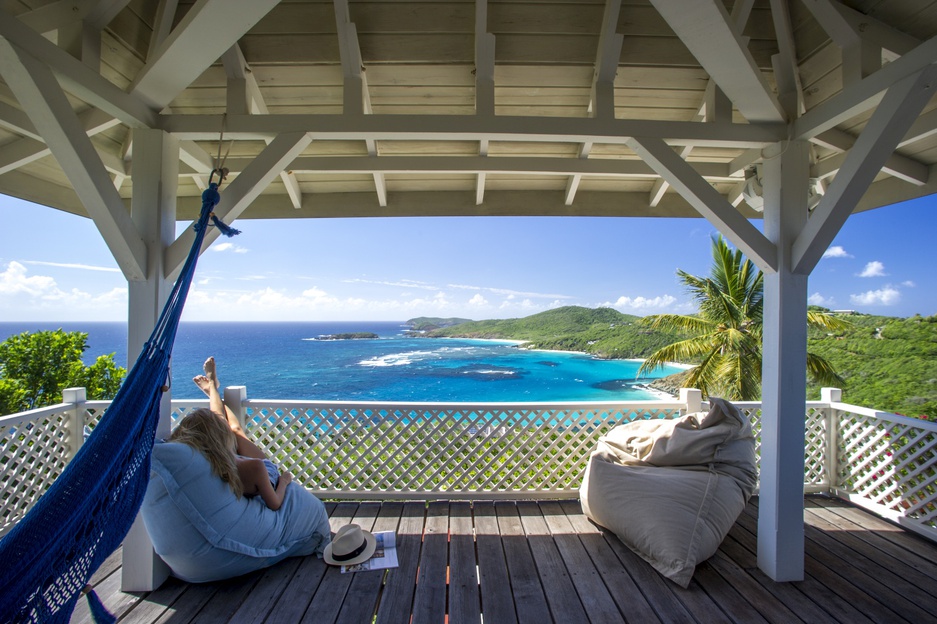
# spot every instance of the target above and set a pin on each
(396, 359)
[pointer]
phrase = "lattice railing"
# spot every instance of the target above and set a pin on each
(35, 447)
(888, 464)
(465, 450)
(882, 461)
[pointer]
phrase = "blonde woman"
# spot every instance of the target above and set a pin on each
(216, 433)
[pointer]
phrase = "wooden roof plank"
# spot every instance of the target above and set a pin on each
(706, 29)
(890, 122)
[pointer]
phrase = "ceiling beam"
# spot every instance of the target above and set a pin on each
(715, 107)
(902, 167)
(56, 14)
(238, 70)
(208, 29)
(707, 201)
(356, 96)
(706, 29)
(239, 194)
(473, 128)
(865, 94)
(77, 78)
(889, 123)
(50, 111)
(507, 165)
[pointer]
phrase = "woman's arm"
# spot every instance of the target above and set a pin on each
(256, 480)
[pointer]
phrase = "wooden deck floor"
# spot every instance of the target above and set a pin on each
(544, 562)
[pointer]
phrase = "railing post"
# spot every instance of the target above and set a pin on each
(692, 399)
(830, 396)
(76, 398)
(234, 397)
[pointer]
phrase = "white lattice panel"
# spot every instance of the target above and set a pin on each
(33, 453)
(891, 462)
(393, 450)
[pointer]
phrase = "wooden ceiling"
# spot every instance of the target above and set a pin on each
(458, 107)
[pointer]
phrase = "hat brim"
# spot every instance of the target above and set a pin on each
(370, 547)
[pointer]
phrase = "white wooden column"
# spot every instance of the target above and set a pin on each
(784, 365)
(155, 181)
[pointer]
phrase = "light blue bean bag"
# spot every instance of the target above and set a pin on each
(205, 533)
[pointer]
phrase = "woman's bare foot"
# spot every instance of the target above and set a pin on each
(204, 383)
(211, 372)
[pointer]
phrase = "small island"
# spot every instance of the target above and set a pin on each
(349, 336)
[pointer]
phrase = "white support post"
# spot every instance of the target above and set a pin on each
(75, 397)
(155, 180)
(692, 399)
(784, 365)
(830, 396)
(234, 397)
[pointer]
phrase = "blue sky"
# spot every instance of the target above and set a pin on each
(55, 267)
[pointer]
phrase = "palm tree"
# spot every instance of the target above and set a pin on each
(725, 335)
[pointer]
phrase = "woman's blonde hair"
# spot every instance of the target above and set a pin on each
(207, 433)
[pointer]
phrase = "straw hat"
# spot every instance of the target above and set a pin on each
(350, 545)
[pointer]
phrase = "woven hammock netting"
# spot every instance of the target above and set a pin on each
(47, 559)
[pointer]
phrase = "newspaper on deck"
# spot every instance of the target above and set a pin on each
(385, 554)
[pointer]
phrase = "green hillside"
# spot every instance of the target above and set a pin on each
(888, 363)
(603, 332)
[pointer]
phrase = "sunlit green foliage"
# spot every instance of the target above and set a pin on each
(36, 367)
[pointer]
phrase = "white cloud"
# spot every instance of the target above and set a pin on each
(477, 301)
(885, 296)
(67, 265)
(873, 269)
(510, 293)
(642, 304)
(908, 284)
(836, 252)
(819, 300)
(222, 247)
(40, 297)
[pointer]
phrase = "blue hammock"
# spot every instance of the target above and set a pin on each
(49, 556)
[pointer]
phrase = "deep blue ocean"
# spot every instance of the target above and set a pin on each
(286, 361)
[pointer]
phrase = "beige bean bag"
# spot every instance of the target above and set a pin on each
(671, 489)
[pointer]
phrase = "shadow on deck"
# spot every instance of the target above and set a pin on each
(545, 562)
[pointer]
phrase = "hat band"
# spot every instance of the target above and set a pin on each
(352, 554)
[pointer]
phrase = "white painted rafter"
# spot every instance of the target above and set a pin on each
(902, 167)
(865, 94)
(504, 165)
(891, 120)
(238, 195)
(208, 29)
(860, 55)
(474, 128)
(162, 25)
(706, 29)
(239, 74)
(707, 201)
(484, 84)
(356, 97)
(715, 107)
(76, 78)
(56, 14)
(26, 150)
(872, 30)
(50, 111)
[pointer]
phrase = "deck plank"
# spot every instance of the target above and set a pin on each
(620, 585)
(464, 606)
(397, 599)
(429, 602)
(556, 579)
(546, 562)
(593, 594)
(495, 585)
(529, 599)
(328, 599)
(361, 600)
